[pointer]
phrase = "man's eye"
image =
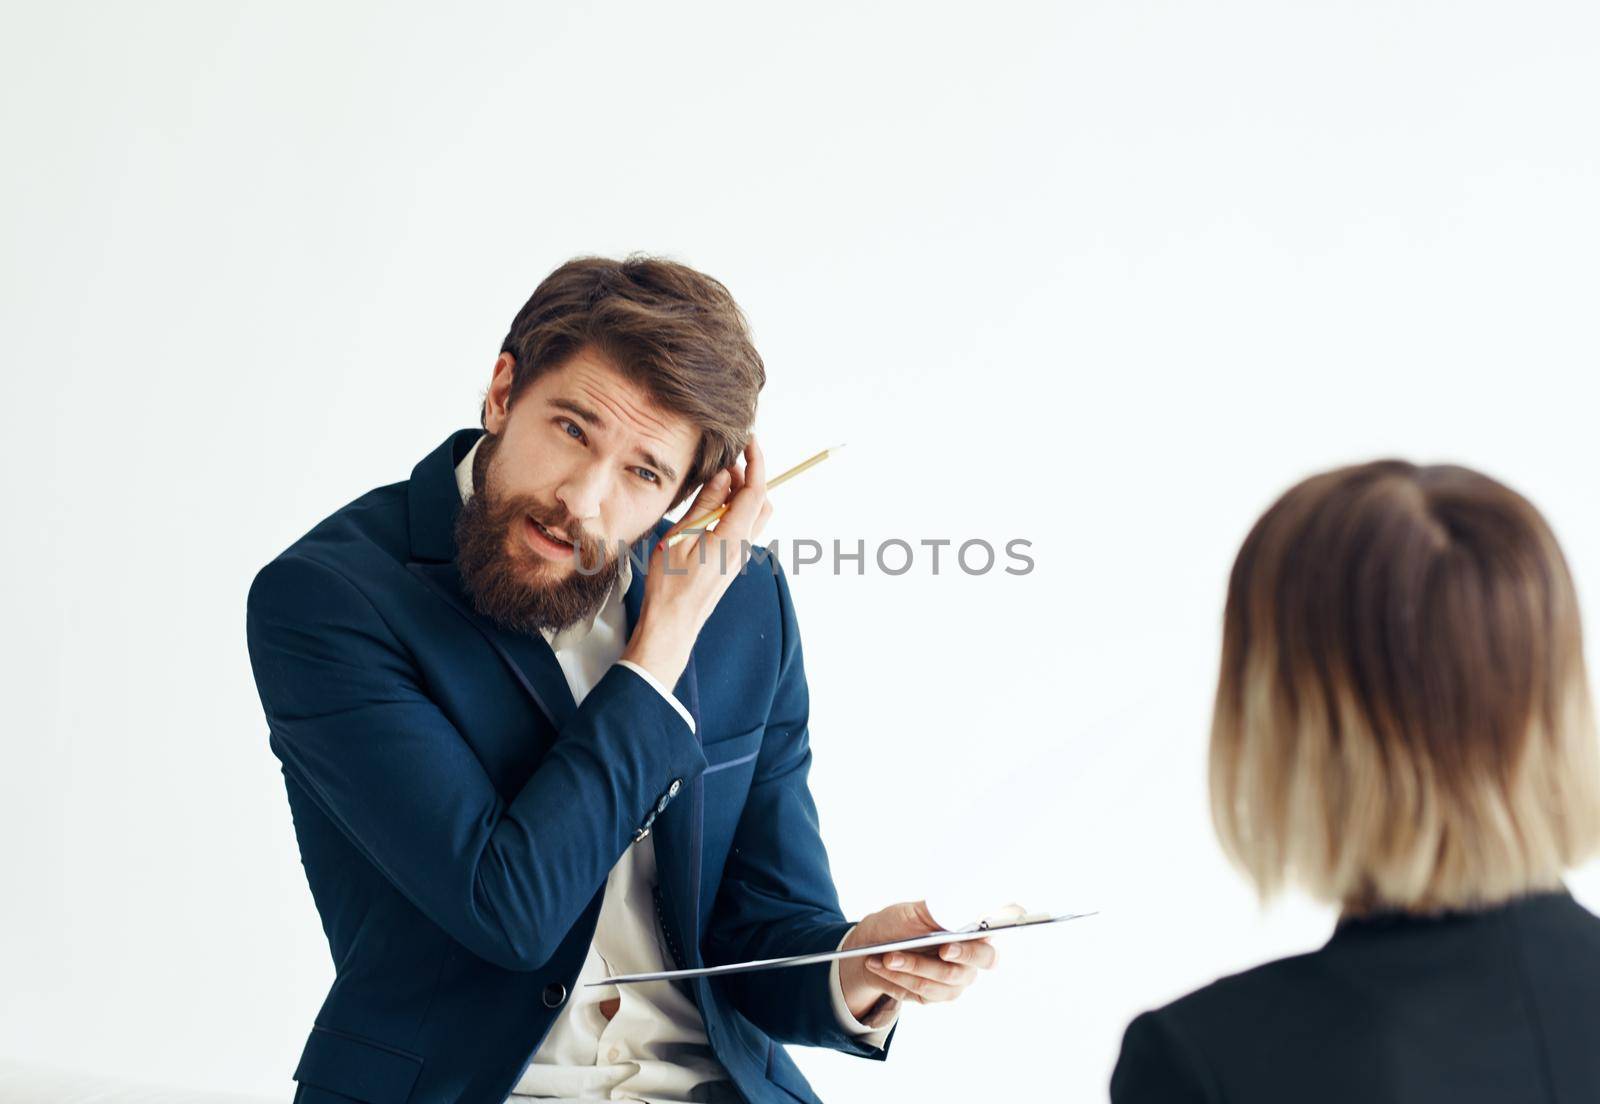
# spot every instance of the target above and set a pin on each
(647, 475)
(570, 428)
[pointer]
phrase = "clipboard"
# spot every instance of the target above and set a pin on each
(981, 929)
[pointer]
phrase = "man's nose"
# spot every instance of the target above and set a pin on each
(582, 492)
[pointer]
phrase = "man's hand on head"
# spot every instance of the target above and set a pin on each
(685, 582)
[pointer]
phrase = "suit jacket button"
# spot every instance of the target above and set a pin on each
(672, 790)
(554, 994)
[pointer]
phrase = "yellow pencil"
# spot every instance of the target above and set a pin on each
(681, 530)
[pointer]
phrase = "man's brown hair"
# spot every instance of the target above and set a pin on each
(675, 332)
(1402, 715)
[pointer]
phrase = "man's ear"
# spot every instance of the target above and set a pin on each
(497, 401)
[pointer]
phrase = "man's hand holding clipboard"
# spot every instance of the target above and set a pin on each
(898, 953)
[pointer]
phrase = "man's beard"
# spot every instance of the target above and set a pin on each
(514, 586)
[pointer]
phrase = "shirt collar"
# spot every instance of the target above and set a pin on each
(572, 634)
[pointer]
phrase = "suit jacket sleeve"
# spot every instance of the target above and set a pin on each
(352, 725)
(1156, 1066)
(777, 895)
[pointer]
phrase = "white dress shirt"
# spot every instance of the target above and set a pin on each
(654, 1048)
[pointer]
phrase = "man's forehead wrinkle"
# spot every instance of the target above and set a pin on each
(626, 412)
(620, 406)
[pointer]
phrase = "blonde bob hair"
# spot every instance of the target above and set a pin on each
(1402, 717)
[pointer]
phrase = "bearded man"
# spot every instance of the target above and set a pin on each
(527, 747)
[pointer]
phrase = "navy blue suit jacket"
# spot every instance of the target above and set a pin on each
(457, 813)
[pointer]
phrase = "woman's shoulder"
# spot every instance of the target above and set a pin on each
(1307, 1018)
(1175, 1052)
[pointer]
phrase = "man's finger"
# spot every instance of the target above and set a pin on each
(744, 508)
(749, 495)
(755, 465)
(713, 493)
(927, 966)
(975, 952)
(898, 992)
(922, 989)
(883, 980)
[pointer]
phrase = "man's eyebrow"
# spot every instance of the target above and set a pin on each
(665, 470)
(580, 410)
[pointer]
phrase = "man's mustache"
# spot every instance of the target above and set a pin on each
(590, 549)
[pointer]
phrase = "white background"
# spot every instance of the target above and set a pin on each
(1103, 276)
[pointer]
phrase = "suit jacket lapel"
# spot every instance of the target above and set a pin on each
(527, 654)
(434, 501)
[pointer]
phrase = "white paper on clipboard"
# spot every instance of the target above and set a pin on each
(980, 930)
